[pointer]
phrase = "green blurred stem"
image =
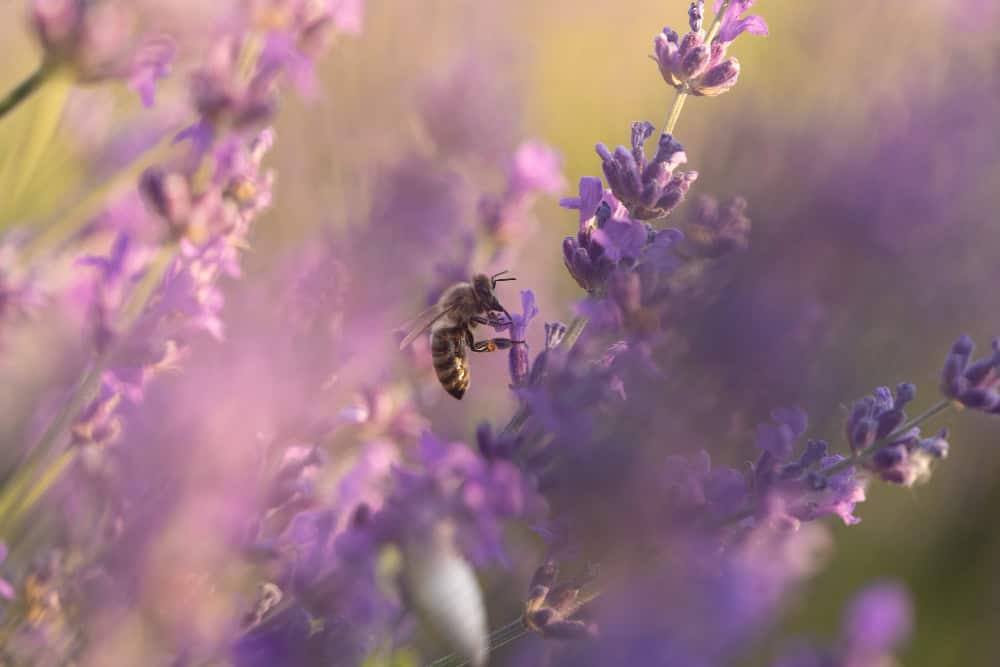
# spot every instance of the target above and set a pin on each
(867, 452)
(23, 90)
(39, 472)
(675, 110)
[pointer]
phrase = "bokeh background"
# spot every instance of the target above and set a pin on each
(864, 136)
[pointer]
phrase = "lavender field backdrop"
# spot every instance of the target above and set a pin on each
(760, 311)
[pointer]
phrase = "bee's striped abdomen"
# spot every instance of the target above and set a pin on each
(450, 359)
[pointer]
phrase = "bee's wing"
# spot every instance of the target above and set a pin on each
(421, 323)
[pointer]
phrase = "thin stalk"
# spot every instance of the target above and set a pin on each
(23, 90)
(675, 110)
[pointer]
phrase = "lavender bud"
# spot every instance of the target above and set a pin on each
(888, 422)
(696, 15)
(905, 392)
(816, 481)
(695, 61)
(888, 457)
(936, 446)
(166, 194)
(863, 434)
(814, 452)
(718, 79)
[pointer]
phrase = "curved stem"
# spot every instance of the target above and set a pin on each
(23, 90)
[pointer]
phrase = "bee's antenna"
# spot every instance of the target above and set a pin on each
(495, 278)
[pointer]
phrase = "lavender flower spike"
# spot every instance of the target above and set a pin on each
(693, 66)
(649, 189)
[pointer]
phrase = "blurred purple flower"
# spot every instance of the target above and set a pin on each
(453, 483)
(535, 168)
(878, 620)
(716, 230)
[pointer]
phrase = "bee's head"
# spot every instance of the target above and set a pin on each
(485, 289)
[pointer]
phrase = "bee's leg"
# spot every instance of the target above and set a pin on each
(493, 344)
(490, 320)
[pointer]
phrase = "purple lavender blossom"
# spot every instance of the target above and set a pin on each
(877, 622)
(608, 236)
(648, 188)
(692, 66)
(732, 23)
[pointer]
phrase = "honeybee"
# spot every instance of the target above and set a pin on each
(451, 321)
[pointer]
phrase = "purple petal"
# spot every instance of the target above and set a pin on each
(879, 619)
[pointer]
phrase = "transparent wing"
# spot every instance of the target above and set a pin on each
(421, 323)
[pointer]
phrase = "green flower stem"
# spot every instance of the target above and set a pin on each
(675, 110)
(39, 472)
(23, 90)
